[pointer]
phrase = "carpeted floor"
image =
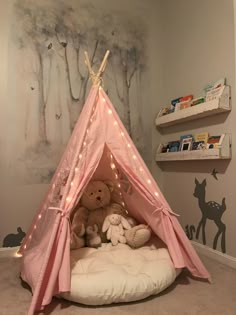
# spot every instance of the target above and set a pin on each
(185, 297)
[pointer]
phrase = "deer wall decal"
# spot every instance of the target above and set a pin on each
(190, 230)
(211, 210)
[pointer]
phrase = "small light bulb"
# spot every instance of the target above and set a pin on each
(120, 193)
(25, 246)
(40, 216)
(71, 183)
(141, 169)
(134, 157)
(87, 131)
(84, 143)
(76, 169)
(116, 176)
(113, 166)
(123, 204)
(109, 111)
(128, 145)
(18, 254)
(118, 185)
(156, 193)
(68, 198)
(35, 226)
(115, 123)
(111, 156)
(91, 119)
(122, 134)
(30, 237)
(149, 181)
(103, 99)
(80, 156)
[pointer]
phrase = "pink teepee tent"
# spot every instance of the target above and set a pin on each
(100, 148)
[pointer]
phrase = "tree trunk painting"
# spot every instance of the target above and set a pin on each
(42, 103)
(127, 119)
(57, 36)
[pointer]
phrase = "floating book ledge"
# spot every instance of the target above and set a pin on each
(219, 105)
(223, 152)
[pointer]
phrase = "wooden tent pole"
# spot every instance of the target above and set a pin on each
(88, 62)
(103, 64)
(96, 77)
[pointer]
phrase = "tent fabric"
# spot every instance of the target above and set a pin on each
(98, 139)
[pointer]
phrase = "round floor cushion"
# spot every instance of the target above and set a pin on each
(113, 274)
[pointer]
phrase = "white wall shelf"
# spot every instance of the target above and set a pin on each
(224, 152)
(216, 106)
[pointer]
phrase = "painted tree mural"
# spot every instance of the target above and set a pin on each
(51, 40)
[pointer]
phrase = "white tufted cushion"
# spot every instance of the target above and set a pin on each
(113, 274)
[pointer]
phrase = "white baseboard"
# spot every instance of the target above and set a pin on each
(8, 251)
(214, 254)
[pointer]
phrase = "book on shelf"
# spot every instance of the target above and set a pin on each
(203, 136)
(215, 142)
(198, 145)
(173, 146)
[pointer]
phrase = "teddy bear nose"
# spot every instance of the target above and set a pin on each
(98, 198)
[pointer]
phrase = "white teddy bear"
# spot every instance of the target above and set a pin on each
(115, 224)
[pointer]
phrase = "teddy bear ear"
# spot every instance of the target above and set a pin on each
(109, 184)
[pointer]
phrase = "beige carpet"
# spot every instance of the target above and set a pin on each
(185, 297)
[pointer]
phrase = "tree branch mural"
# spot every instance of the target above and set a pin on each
(56, 35)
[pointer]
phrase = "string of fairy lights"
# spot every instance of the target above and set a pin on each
(134, 158)
(135, 163)
(68, 198)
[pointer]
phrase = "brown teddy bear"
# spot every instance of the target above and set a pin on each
(94, 206)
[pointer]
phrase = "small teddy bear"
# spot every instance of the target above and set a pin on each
(77, 239)
(78, 221)
(114, 225)
(92, 237)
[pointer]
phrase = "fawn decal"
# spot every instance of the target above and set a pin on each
(190, 230)
(211, 210)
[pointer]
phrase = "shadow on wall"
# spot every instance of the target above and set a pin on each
(12, 240)
(194, 166)
(189, 125)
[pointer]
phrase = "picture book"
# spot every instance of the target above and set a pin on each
(188, 137)
(203, 136)
(214, 142)
(186, 145)
(214, 94)
(175, 101)
(184, 104)
(197, 101)
(198, 145)
(174, 146)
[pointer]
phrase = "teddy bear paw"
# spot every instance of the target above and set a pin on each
(138, 238)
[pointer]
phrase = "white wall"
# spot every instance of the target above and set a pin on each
(198, 48)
